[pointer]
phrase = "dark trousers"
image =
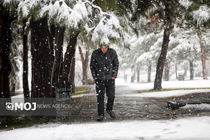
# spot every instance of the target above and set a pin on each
(103, 86)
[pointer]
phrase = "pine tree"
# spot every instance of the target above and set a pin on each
(166, 11)
(198, 17)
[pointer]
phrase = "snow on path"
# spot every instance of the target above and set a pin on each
(187, 128)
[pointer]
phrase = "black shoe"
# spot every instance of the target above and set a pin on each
(111, 114)
(100, 118)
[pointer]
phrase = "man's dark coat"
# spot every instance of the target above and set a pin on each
(104, 66)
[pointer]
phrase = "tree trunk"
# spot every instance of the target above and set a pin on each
(72, 74)
(185, 70)
(87, 54)
(70, 52)
(42, 58)
(56, 70)
(203, 58)
(5, 42)
(125, 77)
(25, 61)
(191, 70)
(162, 59)
(167, 70)
(52, 36)
(169, 19)
(176, 70)
(149, 72)
(133, 76)
(85, 61)
(138, 74)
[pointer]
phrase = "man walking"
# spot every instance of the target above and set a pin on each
(104, 68)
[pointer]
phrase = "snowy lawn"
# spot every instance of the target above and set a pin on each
(167, 94)
(196, 128)
(167, 84)
(187, 85)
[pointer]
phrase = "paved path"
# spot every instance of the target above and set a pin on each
(132, 108)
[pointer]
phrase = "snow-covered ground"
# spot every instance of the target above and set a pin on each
(164, 94)
(198, 83)
(190, 128)
(188, 85)
(166, 84)
(196, 128)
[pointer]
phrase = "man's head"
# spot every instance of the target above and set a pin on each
(104, 48)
